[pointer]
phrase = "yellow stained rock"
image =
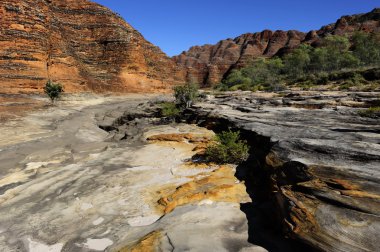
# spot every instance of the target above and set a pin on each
(148, 243)
(360, 194)
(180, 137)
(220, 186)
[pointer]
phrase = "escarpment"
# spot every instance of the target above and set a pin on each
(80, 44)
(208, 64)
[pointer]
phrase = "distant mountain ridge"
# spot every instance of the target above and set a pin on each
(208, 64)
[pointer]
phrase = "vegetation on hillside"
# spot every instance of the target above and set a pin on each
(227, 148)
(333, 59)
(53, 90)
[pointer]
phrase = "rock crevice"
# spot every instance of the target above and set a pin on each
(323, 183)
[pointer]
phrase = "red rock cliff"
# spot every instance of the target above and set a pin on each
(208, 64)
(80, 44)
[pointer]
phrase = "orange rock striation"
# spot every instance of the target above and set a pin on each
(148, 243)
(81, 44)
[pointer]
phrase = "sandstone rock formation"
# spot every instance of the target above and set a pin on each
(67, 185)
(85, 46)
(319, 158)
(208, 64)
(79, 43)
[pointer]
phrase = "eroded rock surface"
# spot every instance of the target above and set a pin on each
(67, 185)
(80, 44)
(323, 161)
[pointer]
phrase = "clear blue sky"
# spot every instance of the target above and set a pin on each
(176, 25)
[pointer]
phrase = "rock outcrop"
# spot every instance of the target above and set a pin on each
(208, 64)
(79, 43)
(71, 186)
(322, 163)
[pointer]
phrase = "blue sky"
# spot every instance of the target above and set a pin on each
(176, 25)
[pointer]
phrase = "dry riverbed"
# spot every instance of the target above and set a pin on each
(65, 185)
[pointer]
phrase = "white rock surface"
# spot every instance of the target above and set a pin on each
(40, 247)
(61, 183)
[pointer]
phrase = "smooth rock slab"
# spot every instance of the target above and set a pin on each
(325, 163)
(67, 192)
(40, 247)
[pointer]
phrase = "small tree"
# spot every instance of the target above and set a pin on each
(53, 90)
(297, 62)
(237, 78)
(169, 109)
(337, 52)
(186, 95)
(366, 47)
(227, 148)
(318, 60)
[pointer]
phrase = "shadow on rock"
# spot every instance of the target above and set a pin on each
(264, 225)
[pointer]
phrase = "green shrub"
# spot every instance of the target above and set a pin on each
(323, 78)
(346, 85)
(274, 87)
(297, 62)
(53, 90)
(264, 71)
(357, 79)
(222, 87)
(227, 148)
(241, 87)
(237, 78)
(186, 95)
(257, 88)
(169, 109)
(366, 47)
(305, 85)
(373, 112)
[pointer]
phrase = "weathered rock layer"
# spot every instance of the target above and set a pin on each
(71, 186)
(323, 163)
(79, 43)
(208, 64)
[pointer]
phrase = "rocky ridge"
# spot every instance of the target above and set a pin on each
(81, 44)
(208, 64)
